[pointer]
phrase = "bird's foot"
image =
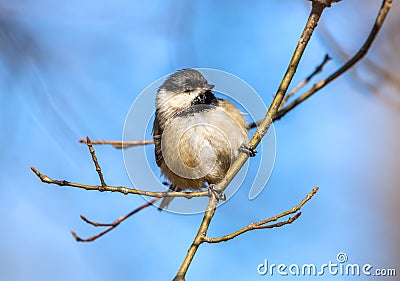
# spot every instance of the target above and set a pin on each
(218, 194)
(250, 151)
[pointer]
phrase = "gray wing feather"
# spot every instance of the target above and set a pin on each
(157, 143)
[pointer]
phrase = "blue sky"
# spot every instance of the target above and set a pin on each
(71, 69)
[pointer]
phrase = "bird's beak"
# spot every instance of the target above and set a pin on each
(208, 87)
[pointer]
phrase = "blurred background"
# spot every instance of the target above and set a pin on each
(71, 69)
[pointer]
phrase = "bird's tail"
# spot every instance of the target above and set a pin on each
(166, 200)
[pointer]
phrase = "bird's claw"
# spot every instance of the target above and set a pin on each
(250, 151)
(218, 194)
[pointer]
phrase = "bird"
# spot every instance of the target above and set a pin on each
(197, 135)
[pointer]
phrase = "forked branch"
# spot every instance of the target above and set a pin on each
(110, 226)
(317, 70)
(119, 189)
(266, 223)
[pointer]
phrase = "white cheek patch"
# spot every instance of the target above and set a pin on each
(170, 104)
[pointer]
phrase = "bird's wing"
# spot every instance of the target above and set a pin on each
(157, 143)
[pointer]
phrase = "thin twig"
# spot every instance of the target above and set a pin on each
(112, 225)
(120, 144)
(384, 10)
(251, 227)
(253, 125)
(121, 189)
(317, 70)
(317, 8)
(265, 223)
(95, 161)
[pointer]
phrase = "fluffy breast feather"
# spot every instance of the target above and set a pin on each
(199, 147)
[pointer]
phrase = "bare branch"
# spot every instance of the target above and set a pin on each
(251, 227)
(112, 225)
(265, 223)
(121, 189)
(384, 10)
(120, 144)
(317, 8)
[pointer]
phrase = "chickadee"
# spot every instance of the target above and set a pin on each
(197, 136)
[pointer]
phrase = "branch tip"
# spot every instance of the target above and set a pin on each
(76, 237)
(296, 216)
(44, 178)
(34, 170)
